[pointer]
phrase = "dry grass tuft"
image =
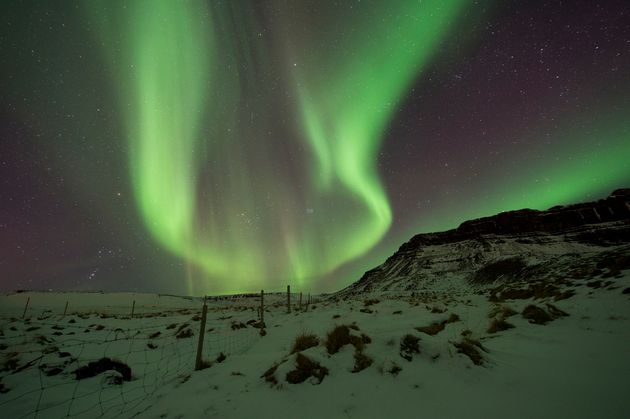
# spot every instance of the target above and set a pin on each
(305, 368)
(303, 342)
(408, 346)
(471, 348)
(184, 333)
(270, 374)
(337, 338)
(361, 361)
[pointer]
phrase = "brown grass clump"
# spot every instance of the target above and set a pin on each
(184, 333)
(394, 370)
(361, 361)
(306, 368)
(499, 325)
(303, 342)
(340, 336)
(536, 315)
(432, 330)
(409, 346)
(470, 348)
(502, 311)
(270, 374)
(453, 318)
(337, 338)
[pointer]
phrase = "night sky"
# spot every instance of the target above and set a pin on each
(228, 146)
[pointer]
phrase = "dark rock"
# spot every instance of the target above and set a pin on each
(104, 364)
(477, 248)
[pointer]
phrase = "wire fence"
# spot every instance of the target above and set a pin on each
(45, 356)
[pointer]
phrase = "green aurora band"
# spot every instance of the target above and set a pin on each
(201, 193)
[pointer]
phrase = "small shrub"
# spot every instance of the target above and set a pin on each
(397, 312)
(336, 316)
(154, 335)
(305, 368)
(303, 342)
(408, 346)
(221, 357)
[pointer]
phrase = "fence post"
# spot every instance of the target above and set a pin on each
(262, 313)
(300, 306)
(202, 330)
(133, 308)
(308, 301)
(28, 300)
(65, 309)
(289, 299)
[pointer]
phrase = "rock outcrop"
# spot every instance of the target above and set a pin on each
(507, 246)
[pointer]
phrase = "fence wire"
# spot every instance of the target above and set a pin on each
(42, 354)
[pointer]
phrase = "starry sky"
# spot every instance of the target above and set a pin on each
(221, 147)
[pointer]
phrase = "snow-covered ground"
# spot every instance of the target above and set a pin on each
(574, 366)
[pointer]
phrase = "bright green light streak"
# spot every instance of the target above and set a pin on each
(346, 101)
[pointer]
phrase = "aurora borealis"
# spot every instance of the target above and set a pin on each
(217, 147)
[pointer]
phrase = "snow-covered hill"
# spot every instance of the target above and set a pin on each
(577, 240)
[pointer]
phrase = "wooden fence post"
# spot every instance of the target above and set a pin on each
(133, 308)
(28, 300)
(300, 306)
(262, 313)
(308, 301)
(289, 299)
(65, 309)
(202, 330)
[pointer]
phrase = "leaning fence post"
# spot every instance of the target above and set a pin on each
(300, 306)
(28, 300)
(262, 313)
(202, 329)
(133, 308)
(288, 298)
(65, 309)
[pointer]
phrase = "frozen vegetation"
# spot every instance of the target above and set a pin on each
(520, 351)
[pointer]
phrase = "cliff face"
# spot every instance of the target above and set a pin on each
(506, 247)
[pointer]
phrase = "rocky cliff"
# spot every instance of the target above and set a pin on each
(511, 246)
